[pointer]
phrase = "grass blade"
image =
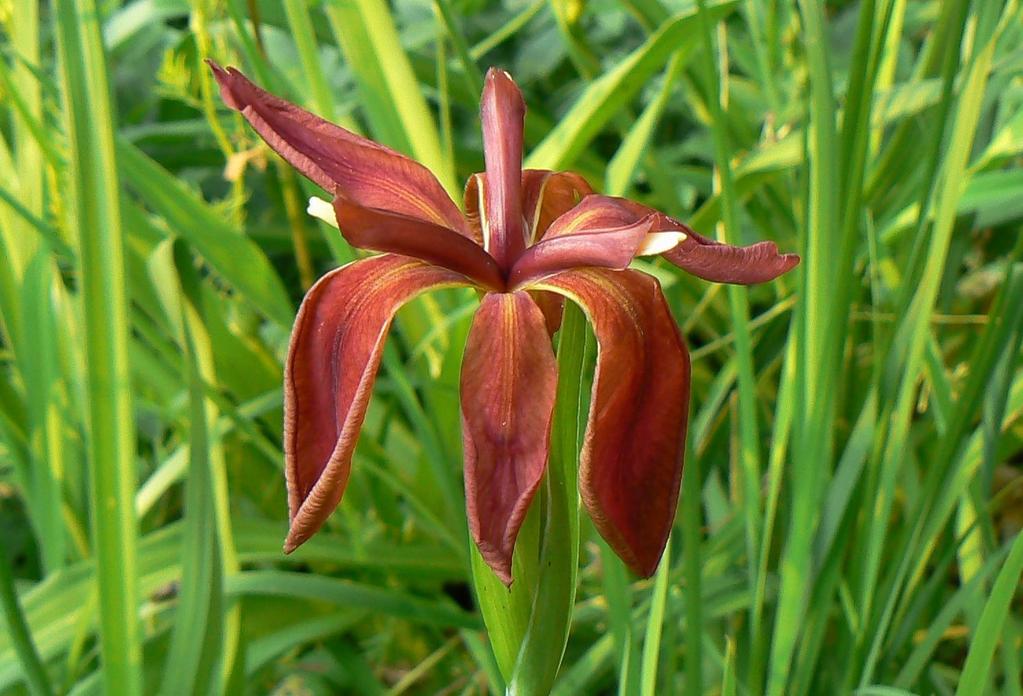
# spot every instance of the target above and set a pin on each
(95, 198)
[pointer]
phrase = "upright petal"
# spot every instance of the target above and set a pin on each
(337, 159)
(332, 363)
(631, 463)
(502, 112)
(545, 196)
(381, 230)
(509, 379)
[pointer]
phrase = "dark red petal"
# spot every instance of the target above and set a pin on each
(714, 261)
(553, 307)
(599, 212)
(631, 463)
(473, 205)
(509, 379)
(381, 230)
(605, 248)
(723, 263)
(332, 363)
(338, 160)
(502, 112)
(547, 195)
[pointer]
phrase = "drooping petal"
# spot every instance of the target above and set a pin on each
(598, 232)
(604, 248)
(380, 230)
(332, 363)
(545, 196)
(508, 384)
(631, 463)
(502, 112)
(338, 160)
(724, 263)
(714, 261)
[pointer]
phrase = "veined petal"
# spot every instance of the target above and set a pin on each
(475, 207)
(596, 212)
(631, 463)
(502, 112)
(509, 379)
(604, 248)
(332, 363)
(711, 260)
(724, 263)
(545, 196)
(338, 160)
(553, 307)
(599, 232)
(381, 230)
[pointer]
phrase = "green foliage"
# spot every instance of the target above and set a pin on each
(850, 516)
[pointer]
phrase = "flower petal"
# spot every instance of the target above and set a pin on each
(381, 230)
(714, 261)
(502, 112)
(509, 379)
(724, 263)
(599, 232)
(631, 463)
(605, 248)
(545, 196)
(332, 363)
(597, 212)
(337, 159)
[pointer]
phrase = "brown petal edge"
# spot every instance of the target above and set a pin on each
(385, 231)
(337, 159)
(508, 385)
(630, 469)
(332, 363)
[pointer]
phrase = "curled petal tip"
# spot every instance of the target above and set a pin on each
(724, 263)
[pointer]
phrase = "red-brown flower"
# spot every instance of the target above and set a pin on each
(527, 239)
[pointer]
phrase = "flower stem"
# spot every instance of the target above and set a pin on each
(528, 624)
(543, 645)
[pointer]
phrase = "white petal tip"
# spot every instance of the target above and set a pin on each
(659, 242)
(322, 210)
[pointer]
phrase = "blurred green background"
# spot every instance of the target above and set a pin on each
(853, 498)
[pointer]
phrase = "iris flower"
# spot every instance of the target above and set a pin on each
(527, 240)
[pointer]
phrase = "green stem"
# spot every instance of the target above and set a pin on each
(17, 628)
(528, 624)
(543, 645)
